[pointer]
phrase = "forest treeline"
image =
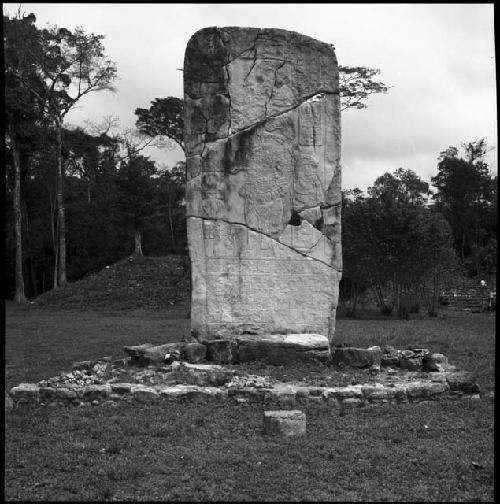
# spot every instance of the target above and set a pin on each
(78, 199)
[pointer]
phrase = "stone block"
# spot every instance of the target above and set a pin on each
(262, 138)
(250, 394)
(156, 355)
(356, 357)
(194, 352)
(144, 394)
(436, 362)
(136, 351)
(48, 394)
(280, 348)
(27, 393)
(410, 363)
(222, 351)
(462, 381)
(121, 388)
(285, 422)
(9, 404)
(96, 392)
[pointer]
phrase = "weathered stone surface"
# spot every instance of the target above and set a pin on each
(323, 356)
(48, 394)
(285, 422)
(410, 363)
(222, 351)
(436, 362)
(136, 351)
(144, 394)
(462, 381)
(148, 354)
(390, 356)
(25, 393)
(280, 348)
(121, 388)
(194, 352)
(96, 392)
(423, 389)
(357, 357)
(203, 374)
(9, 404)
(262, 136)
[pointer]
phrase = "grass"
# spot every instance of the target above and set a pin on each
(218, 452)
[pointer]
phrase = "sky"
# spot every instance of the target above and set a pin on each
(439, 60)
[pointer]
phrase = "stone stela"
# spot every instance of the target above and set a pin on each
(262, 137)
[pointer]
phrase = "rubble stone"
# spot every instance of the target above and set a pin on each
(357, 357)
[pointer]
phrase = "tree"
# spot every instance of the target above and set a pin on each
(467, 197)
(394, 243)
(403, 186)
(170, 192)
(68, 65)
(20, 116)
(356, 263)
(357, 84)
(165, 117)
(136, 189)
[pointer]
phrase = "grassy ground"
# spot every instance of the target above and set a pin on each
(432, 451)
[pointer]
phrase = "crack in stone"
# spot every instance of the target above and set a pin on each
(267, 236)
(255, 56)
(264, 119)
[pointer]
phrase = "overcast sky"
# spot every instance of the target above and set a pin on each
(440, 60)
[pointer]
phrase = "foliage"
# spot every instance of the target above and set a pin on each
(357, 84)
(393, 243)
(467, 196)
(165, 117)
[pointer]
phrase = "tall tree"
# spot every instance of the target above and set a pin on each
(394, 243)
(68, 66)
(466, 195)
(170, 192)
(20, 116)
(136, 189)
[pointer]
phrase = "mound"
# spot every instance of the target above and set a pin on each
(134, 282)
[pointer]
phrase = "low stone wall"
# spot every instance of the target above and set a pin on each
(408, 388)
(171, 372)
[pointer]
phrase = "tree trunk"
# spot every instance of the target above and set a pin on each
(138, 242)
(33, 292)
(54, 235)
(171, 226)
(61, 277)
(462, 248)
(19, 296)
(56, 255)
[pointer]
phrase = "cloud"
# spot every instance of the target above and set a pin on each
(439, 58)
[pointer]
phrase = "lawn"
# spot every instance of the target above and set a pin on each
(439, 451)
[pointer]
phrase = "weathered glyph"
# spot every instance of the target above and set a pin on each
(262, 137)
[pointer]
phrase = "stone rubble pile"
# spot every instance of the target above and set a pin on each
(413, 359)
